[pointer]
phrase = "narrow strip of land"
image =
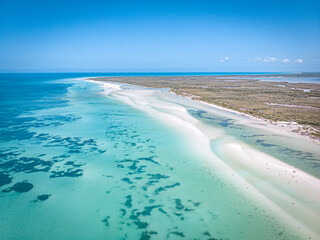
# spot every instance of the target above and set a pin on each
(275, 101)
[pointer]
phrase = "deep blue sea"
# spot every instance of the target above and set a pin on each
(76, 164)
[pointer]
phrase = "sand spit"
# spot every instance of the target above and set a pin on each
(291, 194)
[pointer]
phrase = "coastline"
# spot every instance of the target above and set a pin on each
(289, 126)
(266, 178)
(306, 131)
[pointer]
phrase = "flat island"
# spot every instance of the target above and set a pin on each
(287, 103)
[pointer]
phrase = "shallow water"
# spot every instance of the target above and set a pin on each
(281, 79)
(76, 164)
(291, 79)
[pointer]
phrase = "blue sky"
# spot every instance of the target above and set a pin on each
(212, 36)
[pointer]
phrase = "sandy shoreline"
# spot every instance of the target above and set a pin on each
(287, 126)
(289, 192)
(288, 107)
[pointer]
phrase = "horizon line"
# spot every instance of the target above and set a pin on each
(122, 72)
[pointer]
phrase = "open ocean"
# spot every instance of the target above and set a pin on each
(76, 164)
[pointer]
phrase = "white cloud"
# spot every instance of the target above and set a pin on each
(274, 59)
(224, 59)
(270, 59)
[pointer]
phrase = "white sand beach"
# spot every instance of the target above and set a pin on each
(293, 195)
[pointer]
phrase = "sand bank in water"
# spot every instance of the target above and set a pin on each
(293, 195)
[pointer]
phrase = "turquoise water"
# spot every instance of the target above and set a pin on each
(289, 79)
(304, 155)
(76, 164)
